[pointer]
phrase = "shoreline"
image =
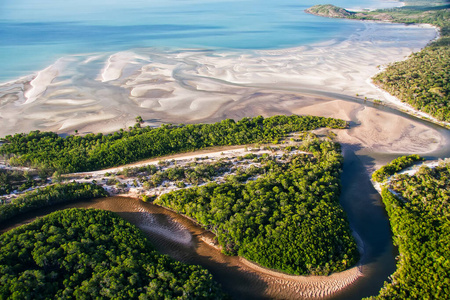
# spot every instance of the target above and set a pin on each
(306, 286)
(395, 102)
(198, 86)
(390, 99)
(391, 131)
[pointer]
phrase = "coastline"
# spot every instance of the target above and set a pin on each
(199, 86)
(396, 103)
(339, 13)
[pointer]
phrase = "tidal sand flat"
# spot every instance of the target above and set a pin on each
(105, 92)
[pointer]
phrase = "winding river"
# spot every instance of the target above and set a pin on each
(181, 239)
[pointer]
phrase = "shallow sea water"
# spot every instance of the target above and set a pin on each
(34, 34)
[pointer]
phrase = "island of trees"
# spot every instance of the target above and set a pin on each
(423, 80)
(48, 151)
(419, 212)
(288, 219)
(93, 254)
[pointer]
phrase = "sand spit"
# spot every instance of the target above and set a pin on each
(305, 287)
(376, 130)
(291, 286)
(103, 93)
(40, 83)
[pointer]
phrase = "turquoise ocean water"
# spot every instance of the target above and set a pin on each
(34, 34)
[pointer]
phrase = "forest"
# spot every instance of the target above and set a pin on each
(419, 214)
(395, 166)
(50, 195)
(11, 180)
(74, 153)
(423, 80)
(288, 219)
(93, 254)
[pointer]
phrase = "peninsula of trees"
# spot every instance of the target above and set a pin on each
(288, 219)
(419, 212)
(395, 166)
(423, 80)
(93, 254)
(48, 151)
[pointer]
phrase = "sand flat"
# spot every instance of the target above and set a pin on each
(184, 86)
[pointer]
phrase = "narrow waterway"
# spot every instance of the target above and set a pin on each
(181, 239)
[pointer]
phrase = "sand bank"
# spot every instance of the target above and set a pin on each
(376, 130)
(306, 286)
(103, 93)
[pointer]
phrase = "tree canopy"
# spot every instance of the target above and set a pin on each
(50, 195)
(395, 166)
(288, 219)
(419, 213)
(93, 254)
(97, 151)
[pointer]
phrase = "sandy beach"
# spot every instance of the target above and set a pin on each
(103, 93)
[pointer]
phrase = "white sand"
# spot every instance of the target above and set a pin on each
(40, 83)
(116, 64)
(193, 86)
(305, 286)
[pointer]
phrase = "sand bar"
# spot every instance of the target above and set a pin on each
(200, 86)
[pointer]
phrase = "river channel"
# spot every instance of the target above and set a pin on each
(181, 239)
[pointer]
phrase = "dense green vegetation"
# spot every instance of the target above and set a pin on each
(96, 151)
(288, 219)
(395, 166)
(423, 80)
(11, 180)
(93, 254)
(420, 220)
(49, 195)
(329, 10)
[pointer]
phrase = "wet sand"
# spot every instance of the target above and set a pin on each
(105, 92)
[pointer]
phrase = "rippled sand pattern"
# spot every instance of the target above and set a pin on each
(99, 92)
